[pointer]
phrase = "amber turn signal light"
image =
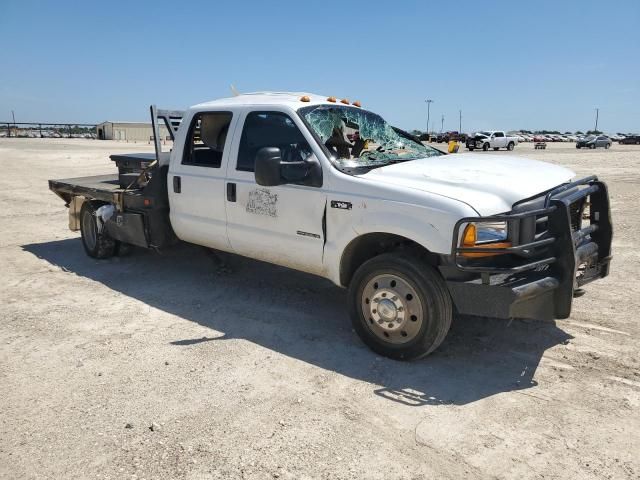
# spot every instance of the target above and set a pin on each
(331, 99)
(356, 104)
(469, 236)
(305, 98)
(345, 101)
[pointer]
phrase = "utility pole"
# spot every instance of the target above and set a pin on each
(597, 112)
(428, 101)
(460, 127)
(13, 116)
(442, 124)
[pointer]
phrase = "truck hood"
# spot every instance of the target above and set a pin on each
(490, 184)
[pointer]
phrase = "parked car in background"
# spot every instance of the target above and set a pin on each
(594, 141)
(446, 136)
(630, 140)
(495, 139)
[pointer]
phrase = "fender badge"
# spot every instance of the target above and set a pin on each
(341, 205)
(307, 234)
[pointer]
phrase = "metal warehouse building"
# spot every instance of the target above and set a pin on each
(128, 131)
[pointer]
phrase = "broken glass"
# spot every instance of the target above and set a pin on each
(358, 138)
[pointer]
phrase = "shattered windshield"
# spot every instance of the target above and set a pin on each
(357, 138)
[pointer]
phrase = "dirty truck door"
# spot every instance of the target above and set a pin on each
(282, 224)
(196, 180)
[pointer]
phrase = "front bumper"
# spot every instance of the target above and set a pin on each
(474, 143)
(554, 255)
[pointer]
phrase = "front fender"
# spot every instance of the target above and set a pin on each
(430, 227)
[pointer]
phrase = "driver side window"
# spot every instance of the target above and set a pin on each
(270, 129)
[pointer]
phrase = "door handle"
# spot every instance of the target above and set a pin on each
(177, 184)
(231, 192)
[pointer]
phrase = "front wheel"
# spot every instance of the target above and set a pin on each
(606, 146)
(485, 147)
(399, 306)
(592, 146)
(510, 146)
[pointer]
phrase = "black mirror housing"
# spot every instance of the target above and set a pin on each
(267, 167)
(270, 170)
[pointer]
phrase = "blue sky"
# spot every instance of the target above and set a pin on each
(508, 65)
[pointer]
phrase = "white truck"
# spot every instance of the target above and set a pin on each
(495, 139)
(327, 187)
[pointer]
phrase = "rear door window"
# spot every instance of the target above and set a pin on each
(206, 139)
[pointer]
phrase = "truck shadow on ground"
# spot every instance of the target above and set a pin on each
(304, 317)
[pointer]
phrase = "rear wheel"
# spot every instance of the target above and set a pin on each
(485, 147)
(606, 146)
(96, 241)
(510, 146)
(399, 306)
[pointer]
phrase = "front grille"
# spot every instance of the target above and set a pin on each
(575, 214)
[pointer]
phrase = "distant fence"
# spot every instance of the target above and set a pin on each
(47, 130)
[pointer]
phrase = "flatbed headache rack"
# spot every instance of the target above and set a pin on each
(172, 120)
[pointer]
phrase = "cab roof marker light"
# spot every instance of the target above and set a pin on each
(345, 101)
(331, 99)
(356, 103)
(305, 98)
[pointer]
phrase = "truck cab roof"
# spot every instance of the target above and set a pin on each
(294, 100)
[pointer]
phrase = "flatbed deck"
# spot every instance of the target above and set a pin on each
(99, 187)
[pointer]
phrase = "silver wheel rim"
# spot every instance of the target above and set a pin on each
(392, 309)
(89, 230)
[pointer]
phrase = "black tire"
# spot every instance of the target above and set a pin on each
(485, 147)
(578, 147)
(495, 149)
(470, 149)
(606, 146)
(431, 312)
(96, 244)
(510, 146)
(592, 146)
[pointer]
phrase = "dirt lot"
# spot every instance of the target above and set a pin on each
(256, 373)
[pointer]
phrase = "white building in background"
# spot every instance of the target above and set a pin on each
(128, 131)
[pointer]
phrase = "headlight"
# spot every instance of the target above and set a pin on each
(487, 235)
(491, 232)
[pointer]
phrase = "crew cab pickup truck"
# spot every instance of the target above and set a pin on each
(412, 233)
(491, 139)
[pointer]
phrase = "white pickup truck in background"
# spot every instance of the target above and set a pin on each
(326, 187)
(495, 139)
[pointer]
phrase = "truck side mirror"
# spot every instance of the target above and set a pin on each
(270, 170)
(267, 167)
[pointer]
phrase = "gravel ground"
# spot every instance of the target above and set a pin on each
(168, 366)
